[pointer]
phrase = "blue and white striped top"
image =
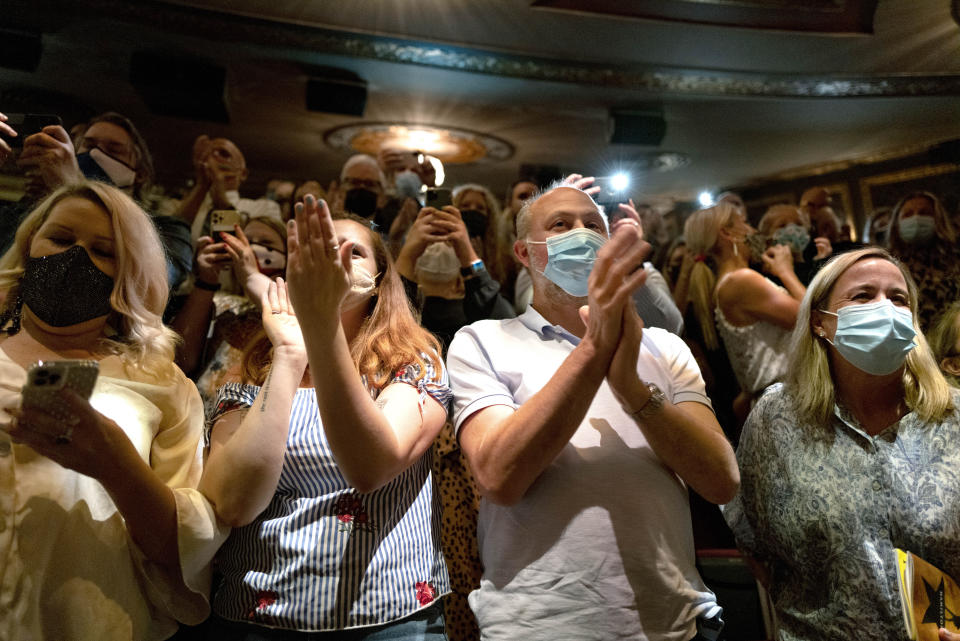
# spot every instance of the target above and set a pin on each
(322, 556)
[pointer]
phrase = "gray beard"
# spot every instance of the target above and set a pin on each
(555, 294)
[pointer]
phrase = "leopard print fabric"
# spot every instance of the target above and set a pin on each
(937, 273)
(460, 501)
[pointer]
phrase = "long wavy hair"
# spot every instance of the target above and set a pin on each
(810, 380)
(702, 231)
(389, 339)
(497, 256)
(140, 288)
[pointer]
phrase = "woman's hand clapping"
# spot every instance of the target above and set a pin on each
(318, 267)
(279, 320)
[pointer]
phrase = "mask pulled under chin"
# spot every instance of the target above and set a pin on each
(66, 289)
(98, 165)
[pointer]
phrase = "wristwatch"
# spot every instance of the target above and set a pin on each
(653, 404)
(472, 269)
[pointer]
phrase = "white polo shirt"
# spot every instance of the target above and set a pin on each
(601, 545)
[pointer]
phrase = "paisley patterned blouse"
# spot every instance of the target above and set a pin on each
(824, 507)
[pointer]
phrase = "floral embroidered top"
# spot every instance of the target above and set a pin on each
(322, 556)
(824, 506)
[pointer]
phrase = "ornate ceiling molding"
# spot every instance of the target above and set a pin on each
(449, 144)
(212, 25)
(812, 16)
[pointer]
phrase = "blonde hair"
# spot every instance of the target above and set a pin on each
(810, 380)
(944, 336)
(776, 212)
(702, 231)
(495, 254)
(140, 288)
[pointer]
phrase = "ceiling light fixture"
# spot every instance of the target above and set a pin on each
(449, 144)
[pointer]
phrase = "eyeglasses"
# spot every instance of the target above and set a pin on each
(363, 183)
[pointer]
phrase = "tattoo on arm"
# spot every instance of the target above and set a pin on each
(265, 392)
(382, 402)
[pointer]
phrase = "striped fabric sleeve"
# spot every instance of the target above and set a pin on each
(434, 384)
(230, 397)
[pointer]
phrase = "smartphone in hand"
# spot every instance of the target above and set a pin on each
(612, 193)
(438, 198)
(45, 379)
(28, 124)
(223, 220)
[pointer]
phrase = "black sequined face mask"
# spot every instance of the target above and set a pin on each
(66, 288)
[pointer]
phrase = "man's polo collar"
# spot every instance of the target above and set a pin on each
(535, 322)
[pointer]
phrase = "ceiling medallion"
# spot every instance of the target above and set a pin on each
(449, 144)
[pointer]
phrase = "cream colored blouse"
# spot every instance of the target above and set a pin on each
(68, 569)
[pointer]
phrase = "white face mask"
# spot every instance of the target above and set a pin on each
(120, 174)
(438, 264)
(268, 259)
(917, 230)
(364, 285)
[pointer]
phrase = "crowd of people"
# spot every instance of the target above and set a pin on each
(351, 413)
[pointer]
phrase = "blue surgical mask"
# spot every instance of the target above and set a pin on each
(918, 230)
(570, 258)
(408, 185)
(874, 337)
(793, 236)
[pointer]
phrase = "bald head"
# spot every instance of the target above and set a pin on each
(542, 203)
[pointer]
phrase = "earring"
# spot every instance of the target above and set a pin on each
(736, 252)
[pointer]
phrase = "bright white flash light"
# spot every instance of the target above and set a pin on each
(620, 181)
(706, 199)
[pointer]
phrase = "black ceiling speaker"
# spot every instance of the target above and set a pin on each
(638, 126)
(336, 91)
(180, 86)
(945, 152)
(20, 49)
(540, 175)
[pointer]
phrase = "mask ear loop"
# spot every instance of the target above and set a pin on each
(822, 334)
